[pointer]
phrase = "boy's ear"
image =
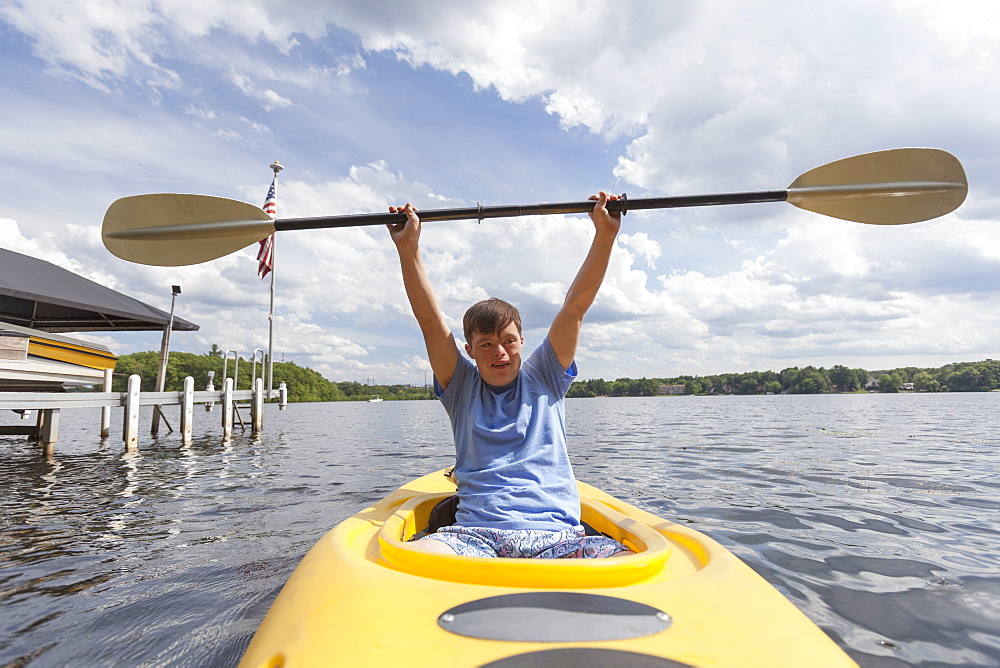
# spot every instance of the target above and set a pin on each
(468, 350)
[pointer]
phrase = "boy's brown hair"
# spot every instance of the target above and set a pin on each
(490, 317)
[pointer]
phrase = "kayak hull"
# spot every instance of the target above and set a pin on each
(364, 596)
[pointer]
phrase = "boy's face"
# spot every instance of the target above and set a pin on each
(498, 358)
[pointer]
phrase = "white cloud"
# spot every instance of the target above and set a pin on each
(642, 245)
(268, 99)
(206, 114)
(684, 97)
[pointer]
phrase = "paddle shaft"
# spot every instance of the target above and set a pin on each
(623, 205)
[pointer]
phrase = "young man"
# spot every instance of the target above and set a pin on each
(516, 489)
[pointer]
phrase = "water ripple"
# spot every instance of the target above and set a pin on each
(875, 514)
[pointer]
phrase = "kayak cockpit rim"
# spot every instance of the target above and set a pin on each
(650, 547)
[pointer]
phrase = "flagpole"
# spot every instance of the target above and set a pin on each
(276, 167)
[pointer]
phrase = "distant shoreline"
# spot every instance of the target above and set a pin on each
(305, 384)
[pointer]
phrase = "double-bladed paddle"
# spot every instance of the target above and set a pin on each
(893, 187)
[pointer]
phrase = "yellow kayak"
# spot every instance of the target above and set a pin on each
(362, 596)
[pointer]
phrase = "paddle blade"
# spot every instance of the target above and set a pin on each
(170, 230)
(894, 187)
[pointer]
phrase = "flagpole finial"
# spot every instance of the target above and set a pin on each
(277, 167)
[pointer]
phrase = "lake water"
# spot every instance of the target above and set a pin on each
(877, 515)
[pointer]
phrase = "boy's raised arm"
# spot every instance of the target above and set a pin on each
(564, 333)
(438, 339)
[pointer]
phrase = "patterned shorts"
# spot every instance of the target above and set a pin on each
(527, 543)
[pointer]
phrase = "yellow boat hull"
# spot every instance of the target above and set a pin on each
(51, 347)
(80, 353)
(363, 596)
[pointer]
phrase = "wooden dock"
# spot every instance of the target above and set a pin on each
(48, 405)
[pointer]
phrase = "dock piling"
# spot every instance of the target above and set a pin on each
(227, 408)
(106, 410)
(130, 432)
(187, 409)
(257, 406)
(48, 430)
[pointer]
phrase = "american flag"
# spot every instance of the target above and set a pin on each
(266, 253)
(270, 207)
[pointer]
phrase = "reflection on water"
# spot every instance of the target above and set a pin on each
(875, 514)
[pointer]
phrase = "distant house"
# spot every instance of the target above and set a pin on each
(670, 389)
(872, 383)
(906, 386)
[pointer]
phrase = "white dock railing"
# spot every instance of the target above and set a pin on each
(48, 405)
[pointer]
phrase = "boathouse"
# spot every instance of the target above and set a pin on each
(39, 303)
(43, 296)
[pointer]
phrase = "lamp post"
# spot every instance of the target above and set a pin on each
(161, 373)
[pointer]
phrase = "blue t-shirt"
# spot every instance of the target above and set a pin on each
(512, 468)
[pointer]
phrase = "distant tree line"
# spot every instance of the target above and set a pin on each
(959, 377)
(303, 383)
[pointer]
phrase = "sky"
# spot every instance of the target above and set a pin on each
(458, 102)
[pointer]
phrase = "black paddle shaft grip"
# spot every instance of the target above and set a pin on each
(623, 204)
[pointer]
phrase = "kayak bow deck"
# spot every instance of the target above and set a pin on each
(364, 596)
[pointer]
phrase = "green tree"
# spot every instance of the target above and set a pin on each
(889, 382)
(924, 382)
(968, 379)
(144, 365)
(811, 380)
(790, 378)
(694, 386)
(844, 379)
(645, 387)
(975, 376)
(769, 377)
(581, 390)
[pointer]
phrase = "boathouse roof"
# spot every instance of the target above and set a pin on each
(38, 294)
